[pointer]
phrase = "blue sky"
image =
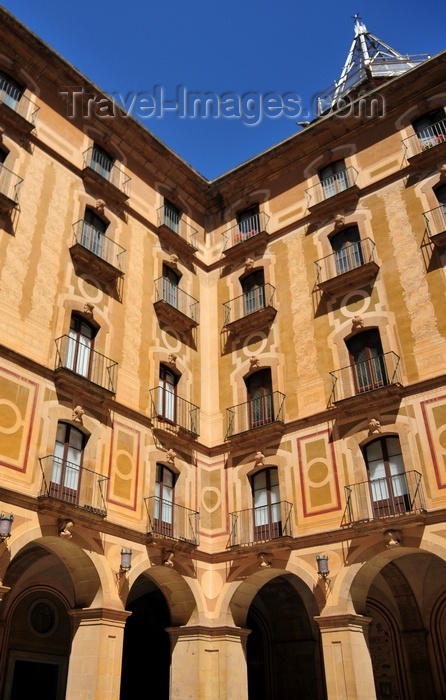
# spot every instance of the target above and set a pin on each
(235, 46)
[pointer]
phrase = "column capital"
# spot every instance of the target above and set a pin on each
(91, 616)
(342, 621)
(202, 631)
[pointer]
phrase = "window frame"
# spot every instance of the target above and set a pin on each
(267, 517)
(389, 493)
(66, 474)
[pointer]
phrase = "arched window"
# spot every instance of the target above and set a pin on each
(167, 389)
(164, 498)
(388, 481)
(260, 399)
(67, 463)
(93, 230)
(253, 286)
(430, 128)
(368, 364)
(347, 248)
(334, 178)
(80, 346)
(171, 281)
(266, 504)
(10, 90)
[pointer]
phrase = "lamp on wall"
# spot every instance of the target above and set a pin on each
(126, 560)
(322, 566)
(5, 526)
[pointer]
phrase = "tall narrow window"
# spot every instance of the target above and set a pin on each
(266, 499)
(67, 463)
(366, 354)
(101, 162)
(347, 248)
(260, 399)
(388, 481)
(80, 346)
(93, 231)
(164, 492)
(254, 291)
(10, 90)
(334, 178)
(171, 280)
(440, 194)
(431, 128)
(167, 388)
(248, 222)
(3, 155)
(172, 216)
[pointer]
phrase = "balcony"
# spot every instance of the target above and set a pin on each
(70, 483)
(427, 145)
(435, 220)
(351, 267)
(10, 185)
(105, 176)
(173, 229)
(246, 236)
(262, 524)
(367, 383)
(174, 307)
(172, 521)
(16, 110)
(258, 419)
(96, 253)
(172, 414)
(388, 497)
(338, 190)
(81, 368)
(250, 311)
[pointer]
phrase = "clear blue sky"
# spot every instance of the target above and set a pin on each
(236, 46)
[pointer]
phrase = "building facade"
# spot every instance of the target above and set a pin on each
(222, 404)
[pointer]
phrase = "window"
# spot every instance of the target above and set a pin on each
(334, 178)
(347, 248)
(10, 90)
(67, 463)
(80, 346)
(431, 129)
(3, 156)
(254, 291)
(164, 492)
(366, 355)
(388, 482)
(167, 389)
(266, 500)
(440, 194)
(260, 399)
(248, 223)
(101, 162)
(172, 216)
(93, 230)
(171, 280)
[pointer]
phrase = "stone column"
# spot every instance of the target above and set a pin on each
(208, 663)
(94, 671)
(347, 662)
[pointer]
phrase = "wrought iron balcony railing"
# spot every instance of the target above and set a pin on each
(425, 139)
(71, 483)
(399, 494)
(168, 409)
(255, 413)
(172, 295)
(10, 185)
(435, 220)
(374, 373)
(332, 185)
(107, 169)
(245, 230)
(12, 97)
(257, 299)
(260, 524)
(98, 243)
(173, 221)
(171, 520)
(350, 257)
(79, 358)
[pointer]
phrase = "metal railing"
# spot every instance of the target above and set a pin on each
(425, 139)
(172, 520)
(260, 524)
(435, 220)
(258, 298)
(14, 98)
(167, 291)
(348, 258)
(98, 243)
(10, 184)
(255, 413)
(373, 373)
(173, 220)
(167, 407)
(332, 185)
(68, 482)
(246, 229)
(106, 168)
(80, 359)
(380, 498)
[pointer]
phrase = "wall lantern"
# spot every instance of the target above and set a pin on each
(5, 526)
(322, 565)
(126, 560)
